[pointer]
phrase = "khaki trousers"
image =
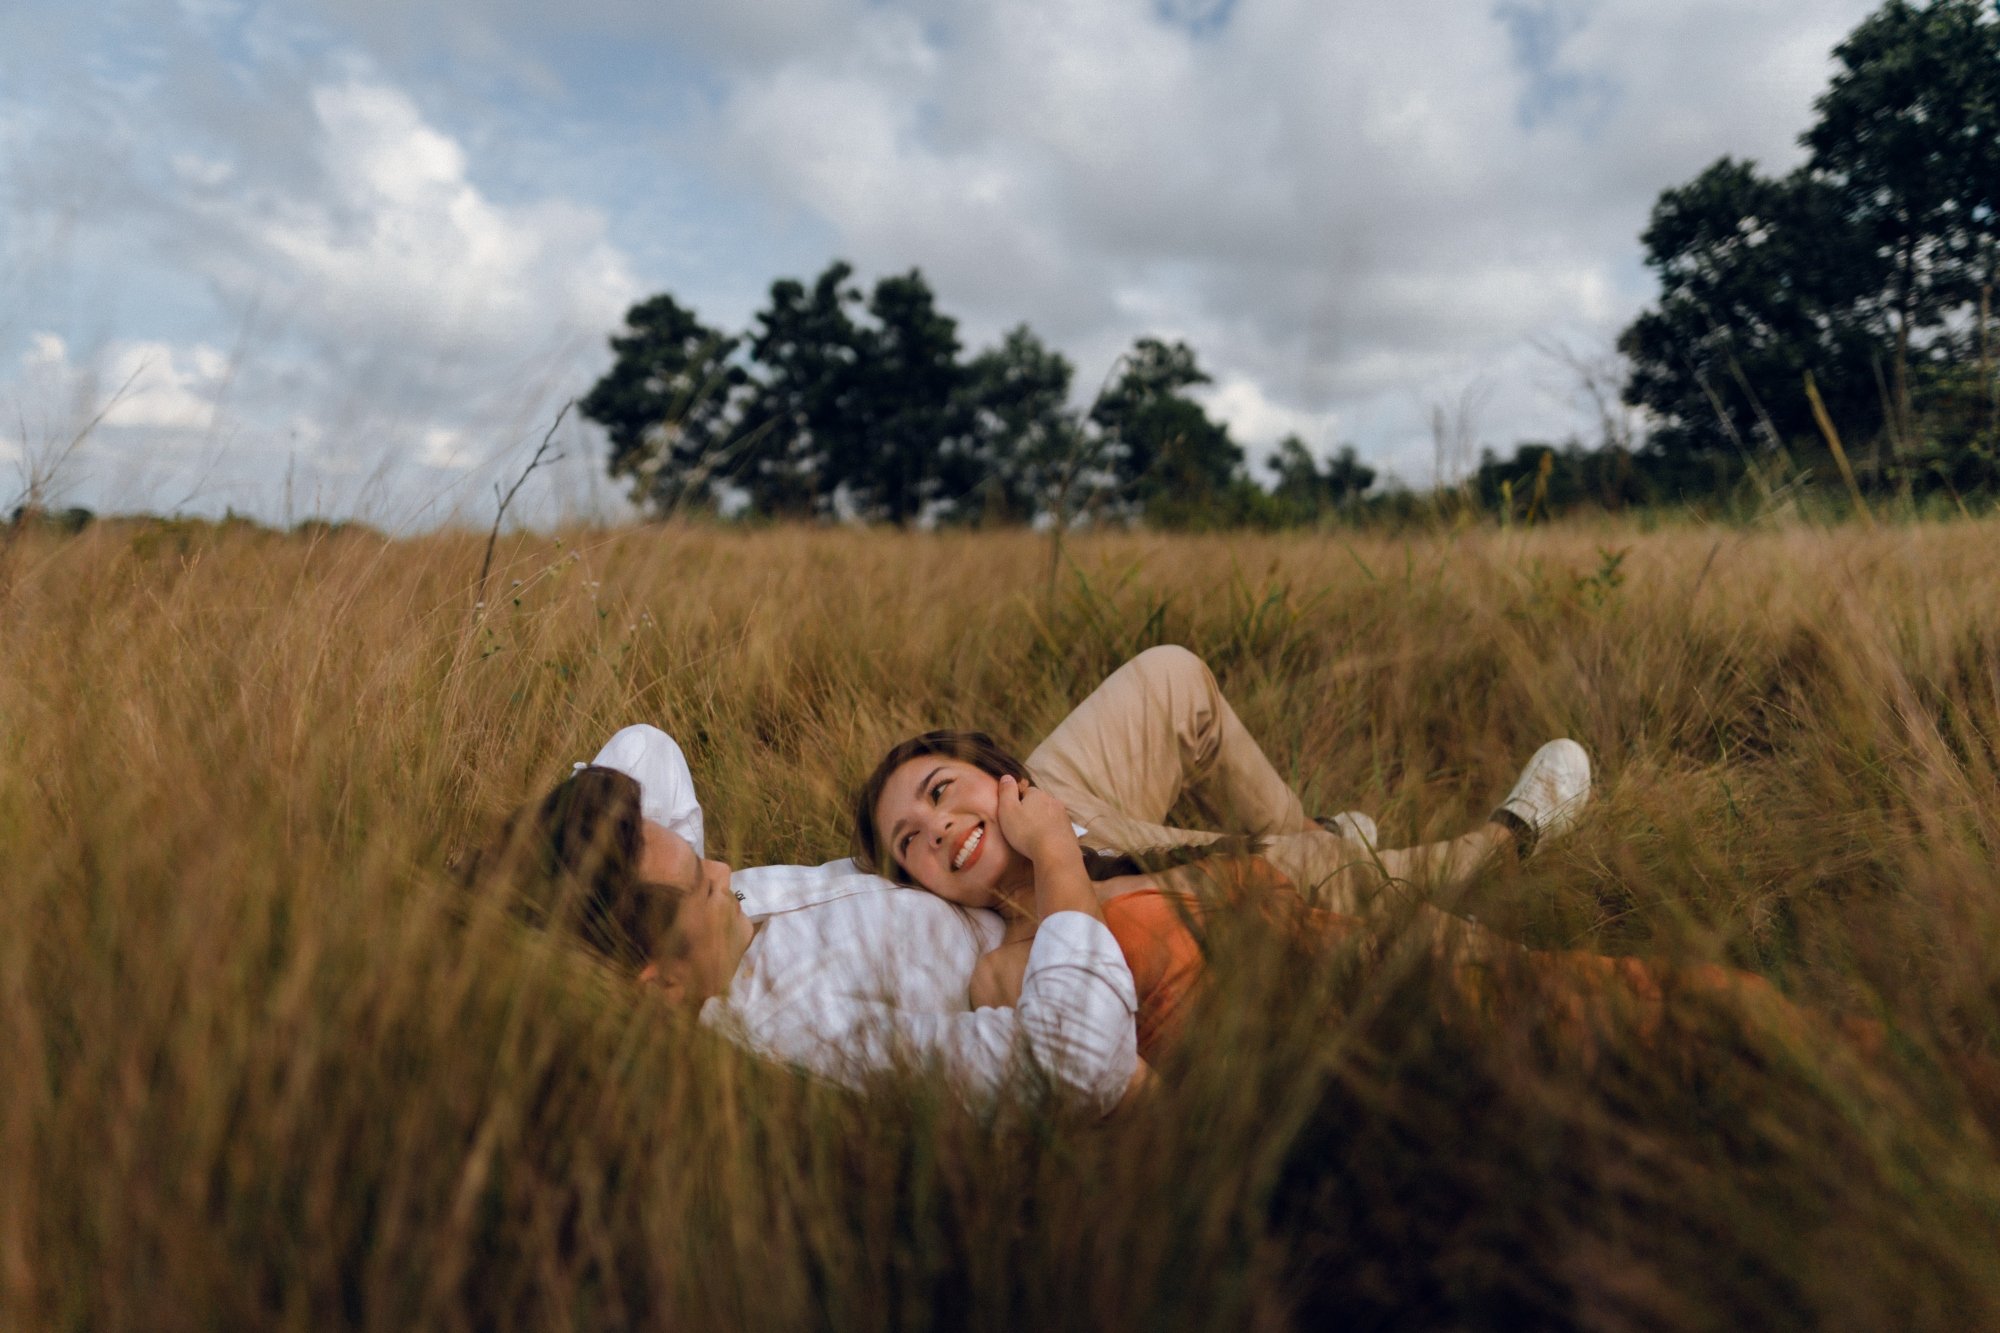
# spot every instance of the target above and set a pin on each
(1157, 729)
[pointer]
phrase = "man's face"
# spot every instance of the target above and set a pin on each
(710, 931)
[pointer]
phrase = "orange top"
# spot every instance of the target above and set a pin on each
(1151, 928)
(1155, 930)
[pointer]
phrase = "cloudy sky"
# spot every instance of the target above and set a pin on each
(346, 257)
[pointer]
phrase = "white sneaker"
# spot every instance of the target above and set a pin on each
(1351, 825)
(1549, 796)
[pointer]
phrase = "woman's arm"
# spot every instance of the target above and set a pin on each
(1036, 825)
(996, 979)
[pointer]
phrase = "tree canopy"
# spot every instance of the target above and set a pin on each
(840, 402)
(1851, 299)
(1871, 267)
(669, 402)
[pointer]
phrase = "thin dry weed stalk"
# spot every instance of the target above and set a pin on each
(266, 1067)
(506, 498)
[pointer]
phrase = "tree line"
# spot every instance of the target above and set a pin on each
(840, 402)
(1840, 318)
(1834, 326)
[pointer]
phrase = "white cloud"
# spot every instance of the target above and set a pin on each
(400, 244)
(199, 171)
(156, 384)
(45, 351)
(395, 326)
(1253, 415)
(112, 422)
(1353, 213)
(446, 447)
(1331, 205)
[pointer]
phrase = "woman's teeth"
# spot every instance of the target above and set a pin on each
(968, 847)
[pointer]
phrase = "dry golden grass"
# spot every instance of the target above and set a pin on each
(261, 1067)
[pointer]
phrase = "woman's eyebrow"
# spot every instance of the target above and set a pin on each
(896, 829)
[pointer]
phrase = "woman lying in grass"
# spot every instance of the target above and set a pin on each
(996, 837)
(1157, 731)
(955, 814)
(847, 974)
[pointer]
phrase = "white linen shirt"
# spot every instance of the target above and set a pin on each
(654, 760)
(876, 980)
(851, 974)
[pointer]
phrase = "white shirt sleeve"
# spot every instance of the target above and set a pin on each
(1077, 1008)
(666, 788)
(1071, 1032)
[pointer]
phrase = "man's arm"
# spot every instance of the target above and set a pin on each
(1072, 1030)
(654, 760)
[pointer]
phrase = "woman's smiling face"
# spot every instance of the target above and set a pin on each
(936, 820)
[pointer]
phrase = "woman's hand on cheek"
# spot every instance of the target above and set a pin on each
(1038, 828)
(1034, 823)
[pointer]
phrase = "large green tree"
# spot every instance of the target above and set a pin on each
(1761, 281)
(668, 403)
(1306, 490)
(807, 347)
(859, 402)
(1172, 461)
(1908, 138)
(841, 402)
(1864, 267)
(903, 449)
(1030, 452)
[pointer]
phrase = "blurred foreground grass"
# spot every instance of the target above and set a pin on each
(259, 1067)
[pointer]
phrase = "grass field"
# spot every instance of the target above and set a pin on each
(262, 1065)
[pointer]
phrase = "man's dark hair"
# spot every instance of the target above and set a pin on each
(571, 863)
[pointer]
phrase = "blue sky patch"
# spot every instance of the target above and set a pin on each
(1555, 93)
(1200, 17)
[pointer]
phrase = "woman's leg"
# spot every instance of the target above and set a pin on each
(1159, 728)
(1344, 876)
(1584, 992)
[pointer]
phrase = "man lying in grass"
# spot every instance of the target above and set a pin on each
(824, 967)
(846, 973)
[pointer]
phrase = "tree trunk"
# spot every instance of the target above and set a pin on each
(1986, 379)
(1904, 299)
